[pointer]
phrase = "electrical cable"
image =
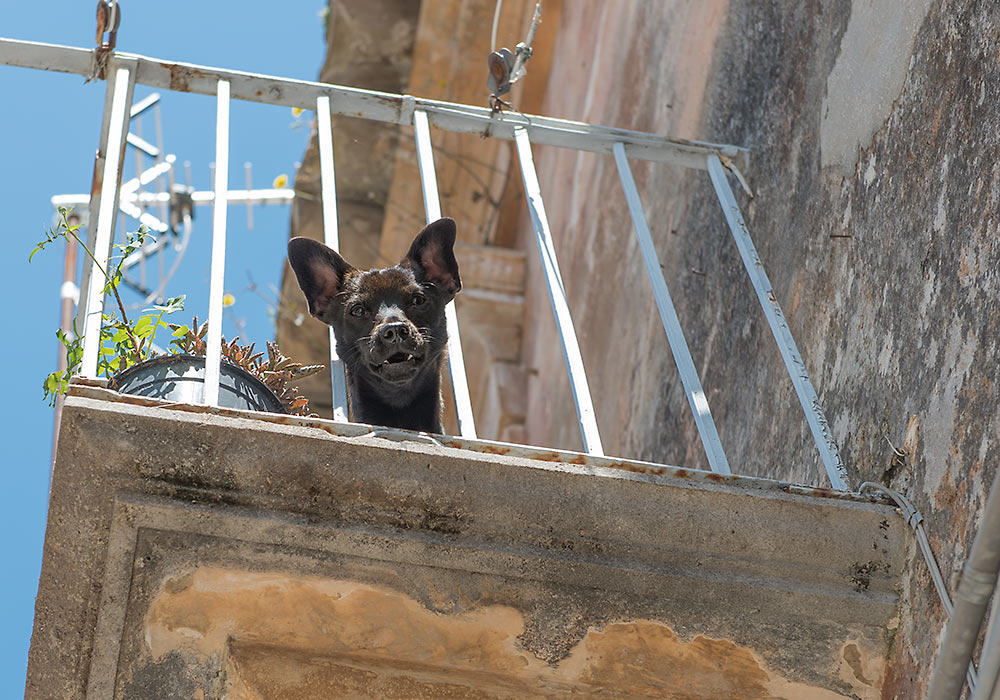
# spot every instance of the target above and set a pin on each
(496, 24)
(181, 249)
(915, 520)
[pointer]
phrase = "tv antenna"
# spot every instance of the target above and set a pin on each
(154, 198)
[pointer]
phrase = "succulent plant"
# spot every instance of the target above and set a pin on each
(277, 371)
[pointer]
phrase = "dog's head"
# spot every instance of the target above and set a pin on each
(389, 323)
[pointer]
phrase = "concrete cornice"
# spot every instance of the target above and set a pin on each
(736, 560)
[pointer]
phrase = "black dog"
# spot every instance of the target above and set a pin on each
(389, 324)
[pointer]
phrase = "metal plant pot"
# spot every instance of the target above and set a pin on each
(181, 378)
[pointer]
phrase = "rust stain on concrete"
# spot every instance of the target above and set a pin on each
(297, 636)
(862, 671)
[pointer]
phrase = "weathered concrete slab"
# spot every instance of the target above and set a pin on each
(195, 552)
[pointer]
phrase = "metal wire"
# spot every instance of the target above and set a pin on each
(916, 521)
(496, 23)
(157, 295)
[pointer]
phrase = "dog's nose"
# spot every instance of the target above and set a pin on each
(394, 332)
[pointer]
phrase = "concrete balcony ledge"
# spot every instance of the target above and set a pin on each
(194, 552)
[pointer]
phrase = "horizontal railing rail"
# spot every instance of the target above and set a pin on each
(107, 196)
(374, 105)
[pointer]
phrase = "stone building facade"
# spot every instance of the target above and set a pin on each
(233, 556)
(873, 130)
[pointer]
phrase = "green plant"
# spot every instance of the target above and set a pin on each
(126, 342)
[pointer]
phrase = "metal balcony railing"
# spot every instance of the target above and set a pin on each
(123, 71)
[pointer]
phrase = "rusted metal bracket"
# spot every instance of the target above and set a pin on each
(507, 67)
(108, 19)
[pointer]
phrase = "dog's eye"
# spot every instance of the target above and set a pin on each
(418, 299)
(357, 310)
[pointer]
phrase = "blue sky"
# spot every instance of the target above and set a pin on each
(49, 125)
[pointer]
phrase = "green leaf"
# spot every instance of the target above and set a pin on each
(40, 246)
(50, 387)
(113, 282)
(144, 326)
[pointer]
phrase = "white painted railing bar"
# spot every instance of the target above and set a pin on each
(94, 199)
(707, 430)
(103, 238)
(378, 106)
(432, 208)
(331, 237)
(126, 70)
(779, 328)
(560, 307)
(213, 342)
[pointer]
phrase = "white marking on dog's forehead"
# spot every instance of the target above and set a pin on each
(389, 309)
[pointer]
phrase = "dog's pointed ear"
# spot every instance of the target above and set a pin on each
(320, 272)
(432, 256)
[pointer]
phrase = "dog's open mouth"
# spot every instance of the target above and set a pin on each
(398, 367)
(397, 358)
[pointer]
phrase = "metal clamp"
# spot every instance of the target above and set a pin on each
(181, 205)
(108, 19)
(406, 109)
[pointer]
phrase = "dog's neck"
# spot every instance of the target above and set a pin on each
(416, 407)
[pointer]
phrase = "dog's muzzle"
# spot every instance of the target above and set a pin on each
(397, 352)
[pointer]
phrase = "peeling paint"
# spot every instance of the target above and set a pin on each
(868, 75)
(300, 636)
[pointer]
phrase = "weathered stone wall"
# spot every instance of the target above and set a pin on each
(642, 66)
(875, 135)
